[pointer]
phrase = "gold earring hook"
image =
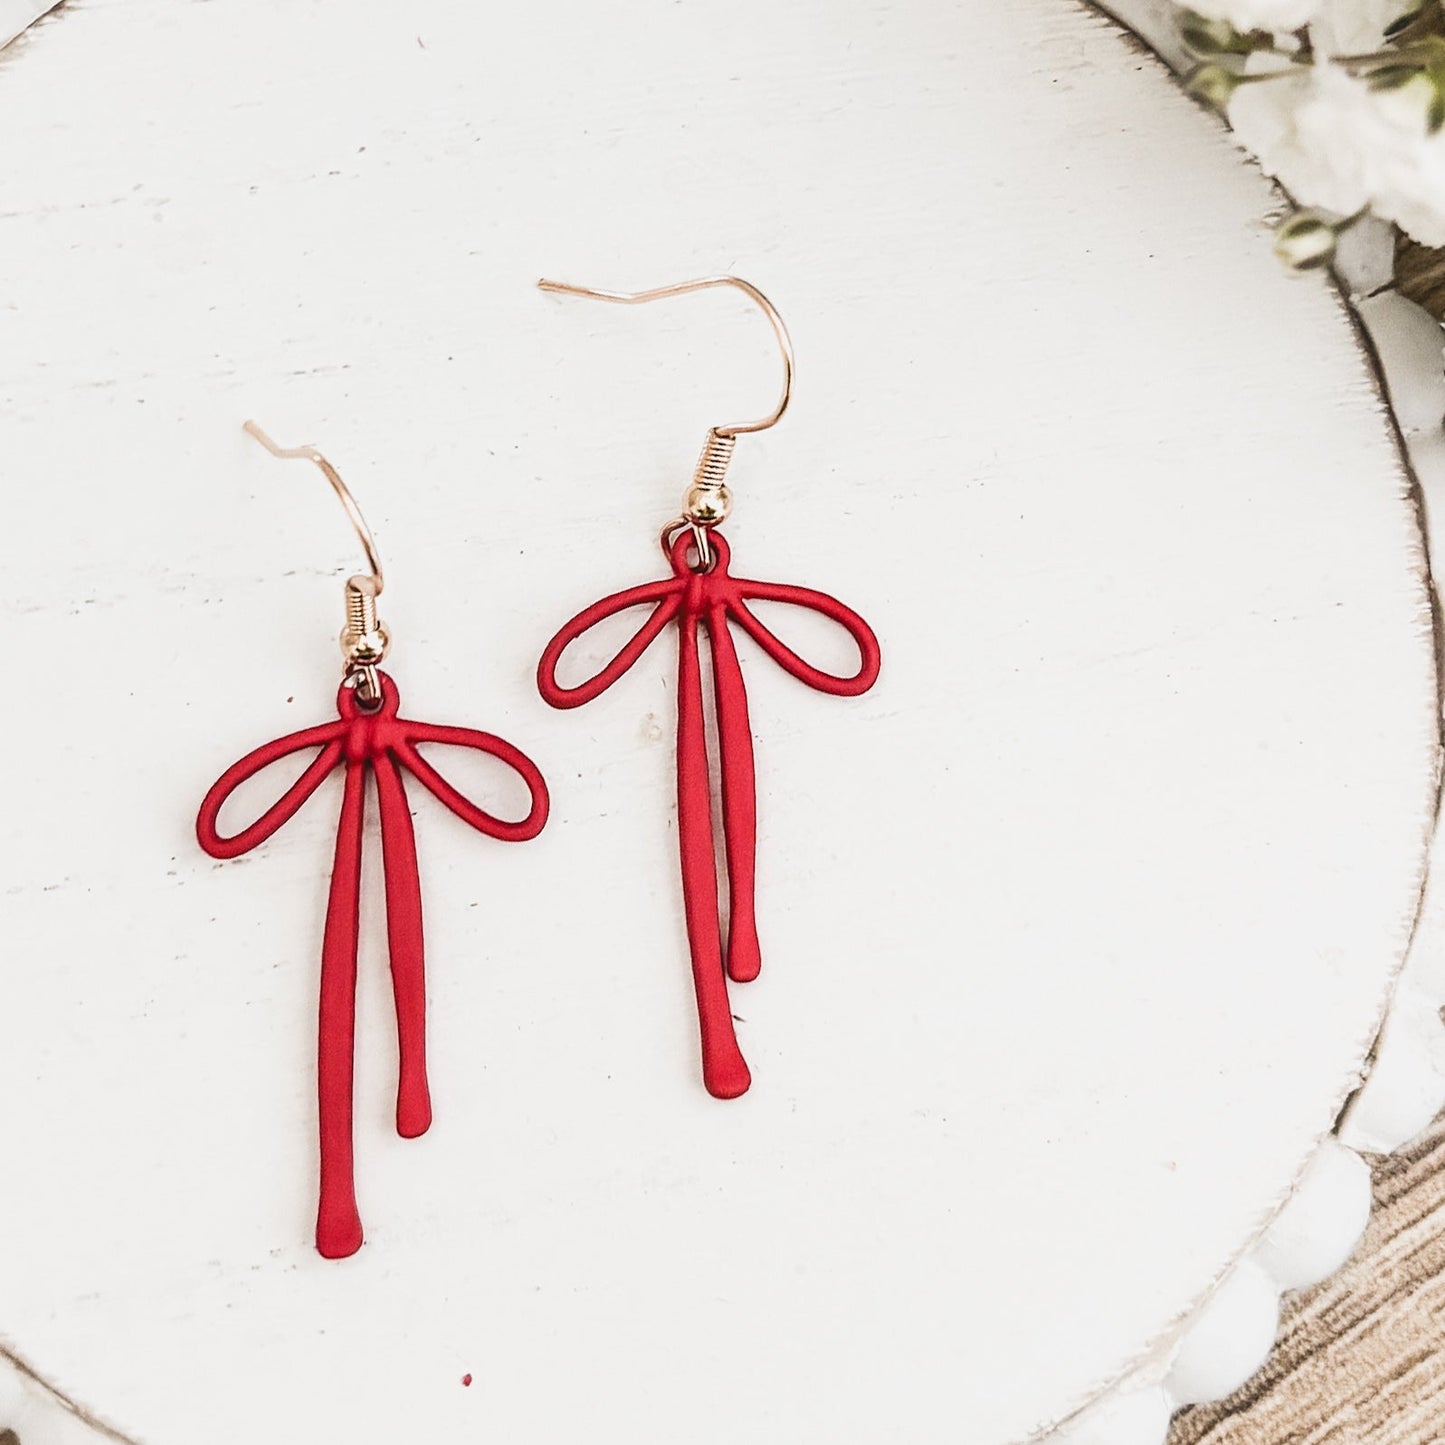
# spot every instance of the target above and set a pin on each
(708, 500)
(343, 493)
(707, 283)
(364, 639)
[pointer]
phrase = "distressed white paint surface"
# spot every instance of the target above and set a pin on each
(1406, 1089)
(1076, 930)
(17, 15)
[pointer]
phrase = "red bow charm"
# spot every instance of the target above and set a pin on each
(386, 744)
(712, 599)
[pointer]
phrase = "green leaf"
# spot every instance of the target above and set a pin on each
(1392, 77)
(1213, 84)
(1209, 38)
(1402, 24)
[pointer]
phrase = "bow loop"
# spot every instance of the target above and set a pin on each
(328, 737)
(668, 597)
(869, 656)
(478, 818)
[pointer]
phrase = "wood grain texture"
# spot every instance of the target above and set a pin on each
(1420, 275)
(1360, 1360)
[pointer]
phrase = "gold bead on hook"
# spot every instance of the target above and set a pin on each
(708, 501)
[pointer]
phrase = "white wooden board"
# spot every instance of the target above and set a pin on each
(1077, 929)
(16, 15)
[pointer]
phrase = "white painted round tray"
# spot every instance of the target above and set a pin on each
(1077, 929)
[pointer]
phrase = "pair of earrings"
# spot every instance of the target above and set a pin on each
(371, 736)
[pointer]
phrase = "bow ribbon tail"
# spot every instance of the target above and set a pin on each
(724, 1071)
(338, 1224)
(404, 940)
(739, 798)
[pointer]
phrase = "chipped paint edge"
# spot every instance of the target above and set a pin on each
(1222, 1343)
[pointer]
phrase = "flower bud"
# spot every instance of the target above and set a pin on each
(1209, 38)
(1306, 240)
(1213, 84)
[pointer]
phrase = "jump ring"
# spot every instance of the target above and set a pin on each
(706, 557)
(365, 682)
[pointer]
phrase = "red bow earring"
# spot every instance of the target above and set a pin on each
(369, 736)
(702, 594)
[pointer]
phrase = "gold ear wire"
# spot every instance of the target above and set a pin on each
(707, 283)
(708, 500)
(364, 639)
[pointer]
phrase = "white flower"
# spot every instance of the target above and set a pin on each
(1272, 15)
(1338, 27)
(1301, 140)
(1404, 164)
(1352, 27)
(1335, 143)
